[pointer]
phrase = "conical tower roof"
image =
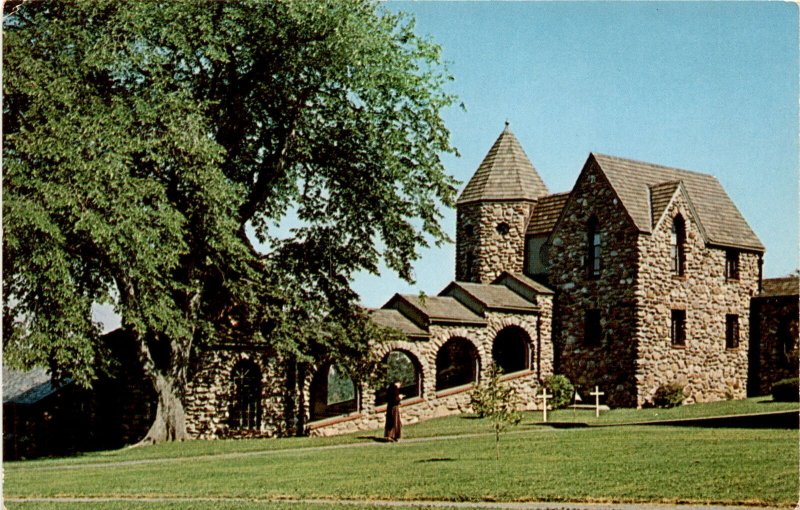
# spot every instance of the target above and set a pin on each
(506, 173)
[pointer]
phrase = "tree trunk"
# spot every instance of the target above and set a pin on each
(170, 421)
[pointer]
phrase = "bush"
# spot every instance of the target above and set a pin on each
(669, 395)
(786, 390)
(561, 389)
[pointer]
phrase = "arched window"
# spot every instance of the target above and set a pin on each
(678, 244)
(456, 364)
(245, 410)
(593, 248)
(402, 367)
(333, 393)
(511, 349)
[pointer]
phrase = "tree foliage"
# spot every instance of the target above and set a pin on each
(148, 145)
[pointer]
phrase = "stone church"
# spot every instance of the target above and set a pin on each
(640, 276)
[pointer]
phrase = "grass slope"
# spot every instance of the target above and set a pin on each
(445, 460)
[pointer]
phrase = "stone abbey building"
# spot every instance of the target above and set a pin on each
(640, 276)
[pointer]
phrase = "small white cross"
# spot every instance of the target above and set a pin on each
(544, 396)
(596, 394)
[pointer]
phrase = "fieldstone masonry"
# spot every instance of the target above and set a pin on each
(611, 362)
(705, 367)
(612, 330)
(774, 334)
(490, 239)
(209, 395)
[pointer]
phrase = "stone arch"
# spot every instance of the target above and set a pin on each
(403, 366)
(511, 349)
(245, 407)
(457, 363)
(594, 247)
(678, 244)
(332, 392)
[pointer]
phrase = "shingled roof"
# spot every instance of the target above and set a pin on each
(506, 173)
(780, 287)
(545, 214)
(439, 309)
(719, 218)
(390, 318)
(660, 197)
(27, 387)
(489, 297)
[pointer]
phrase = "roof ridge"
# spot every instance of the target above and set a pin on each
(657, 165)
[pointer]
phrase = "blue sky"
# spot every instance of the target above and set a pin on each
(707, 86)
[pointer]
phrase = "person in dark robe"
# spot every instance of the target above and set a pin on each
(392, 429)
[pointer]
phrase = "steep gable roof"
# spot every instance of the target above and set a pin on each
(660, 197)
(506, 173)
(717, 215)
(545, 214)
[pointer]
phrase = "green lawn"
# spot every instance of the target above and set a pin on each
(625, 464)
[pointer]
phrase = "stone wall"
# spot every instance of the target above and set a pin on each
(770, 359)
(610, 363)
(431, 403)
(484, 248)
(209, 394)
(707, 369)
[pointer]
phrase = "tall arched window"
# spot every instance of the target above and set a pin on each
(402, 367)
(678, 243)
(511, 349)
(593, 248)
(456, 364)
(245, 410)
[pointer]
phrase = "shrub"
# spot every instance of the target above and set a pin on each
(669, 395)
(561, 389)
(786, 390)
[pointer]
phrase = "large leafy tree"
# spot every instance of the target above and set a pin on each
(151, 148)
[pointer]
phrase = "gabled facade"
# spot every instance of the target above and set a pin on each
(654, 269)
(640, 276)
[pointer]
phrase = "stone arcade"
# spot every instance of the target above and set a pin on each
(640, 276)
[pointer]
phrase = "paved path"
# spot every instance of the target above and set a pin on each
(323, 503)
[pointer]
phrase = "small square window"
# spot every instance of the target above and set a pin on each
(732, 265)
(731, 331)
(678, 328)
(592, 332)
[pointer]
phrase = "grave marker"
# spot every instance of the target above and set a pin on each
(596, 394)
(544, 396)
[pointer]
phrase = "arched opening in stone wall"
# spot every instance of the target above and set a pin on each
(594, 247)
(678, 245)
(512, 349)
(245, 411)
(403, 367)
(457, 363)
(333, 393)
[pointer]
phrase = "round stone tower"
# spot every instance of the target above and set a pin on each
(493, 210)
